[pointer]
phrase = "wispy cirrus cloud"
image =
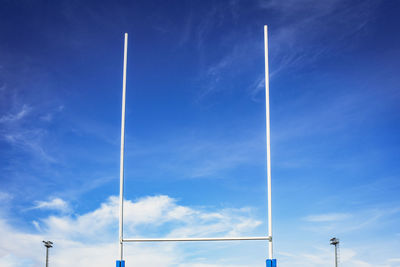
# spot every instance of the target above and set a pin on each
(222, 74)
(346, 222)
(309, 29)
(302, 33)
(28, 134)
(21, 130)
(328, 217)
(57, 204)
(14, 117)
(200, 156)
(49, 116)
(4, 196)
(30, 140)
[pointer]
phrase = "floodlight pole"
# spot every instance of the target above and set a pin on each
(47, 244)
(121, 263)
(335, 241)
(270, 262)
(336, 262)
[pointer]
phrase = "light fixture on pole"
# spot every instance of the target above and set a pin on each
(47, 244)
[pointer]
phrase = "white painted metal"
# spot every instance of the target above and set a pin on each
(267, 115)
(121, 199)
(196, 239)
(121, 170)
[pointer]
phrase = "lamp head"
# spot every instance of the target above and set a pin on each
(48, 244)
(334, 241)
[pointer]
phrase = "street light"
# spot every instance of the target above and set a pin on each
(335, 242)
(47, 244)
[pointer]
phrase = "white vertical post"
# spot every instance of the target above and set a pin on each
(121, 166)
(267, 115)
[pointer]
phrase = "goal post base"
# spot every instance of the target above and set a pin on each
(120, 264)
(271, 263)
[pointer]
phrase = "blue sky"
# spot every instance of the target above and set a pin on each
(195, 130)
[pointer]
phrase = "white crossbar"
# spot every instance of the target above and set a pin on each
(195, 239)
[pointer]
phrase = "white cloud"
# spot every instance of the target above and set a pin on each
(327, 217)
(4, 196)
(201, 157)
(8, 118)
(340, 223)
(36, 224)
(53, 204)
(90, 239)
(31, 140)
(13, 261)
(290, 47)
(48, 117)
(318, 256)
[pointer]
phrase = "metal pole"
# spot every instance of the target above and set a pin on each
(47, 257)
(334, 241)
(267, 115)
(336, 263)
(47, 244)
(121, 170)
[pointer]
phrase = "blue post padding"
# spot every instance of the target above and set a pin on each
(120, 263)
(271, 263)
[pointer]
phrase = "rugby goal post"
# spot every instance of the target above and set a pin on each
(270, 261)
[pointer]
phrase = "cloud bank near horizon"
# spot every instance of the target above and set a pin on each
(90, 238)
